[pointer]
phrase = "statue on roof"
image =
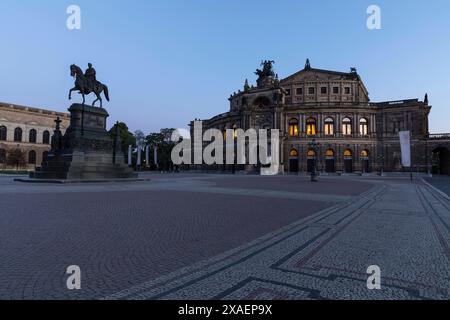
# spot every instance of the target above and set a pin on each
(307, 64)
(267, 70)
(266, 75)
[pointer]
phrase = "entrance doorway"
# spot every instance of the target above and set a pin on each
(441, 161)
(293, 161)
(348, 161)
(329, 161)
(365, 161)
(311, 156)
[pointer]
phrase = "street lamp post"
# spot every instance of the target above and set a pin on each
(314, 146)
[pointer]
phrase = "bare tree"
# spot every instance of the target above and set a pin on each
(16, 158)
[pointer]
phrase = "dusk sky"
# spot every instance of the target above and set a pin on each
(167, 62)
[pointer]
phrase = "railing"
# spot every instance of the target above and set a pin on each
(439, 136)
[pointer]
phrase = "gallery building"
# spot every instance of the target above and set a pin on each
(28, 130)
(333, 109)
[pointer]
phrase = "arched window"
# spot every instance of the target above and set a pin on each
(329, 126)
(311, 127)
(32, 136)
(347, 126)
(348, 154)
(2, 156)
(235, 131)
(364, 154)
(3, 133)
(32, 157)
(311, 154)
(46, 137)
(363, 127)
(293, 153)
(293, 128)
(329, 153)
(18, 135)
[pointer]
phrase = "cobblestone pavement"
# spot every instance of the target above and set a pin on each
(225, 237)
(442, 183)
(403, 228)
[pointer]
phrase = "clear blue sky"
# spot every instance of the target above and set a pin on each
(169, 61)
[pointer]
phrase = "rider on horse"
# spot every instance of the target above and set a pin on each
(91, 78)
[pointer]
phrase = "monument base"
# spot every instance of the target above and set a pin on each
(86, 151)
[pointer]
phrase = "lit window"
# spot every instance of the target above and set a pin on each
(293, 153)
(363, 127)
(311, 127)
(364, 154)
(235, 132)
(329, 126)
(347, 154)
(293, 128)
(329, 153)
(346, 126)
(311, 154)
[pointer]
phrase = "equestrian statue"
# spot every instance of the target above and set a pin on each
(86, 83)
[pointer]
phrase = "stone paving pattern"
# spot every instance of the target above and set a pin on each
(225, 237)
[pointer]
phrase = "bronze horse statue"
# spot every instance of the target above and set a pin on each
(86, 87)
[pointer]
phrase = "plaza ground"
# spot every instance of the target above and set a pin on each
(199, 236)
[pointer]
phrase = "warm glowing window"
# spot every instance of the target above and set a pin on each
(364, 154)
(329, 153)
(347, 126)
(329, 126)
(347, 153)
(235, 132)
(311, 154)
(363, 127)
(225, 134)
(311, 127)
(293, 128)
(293, 153)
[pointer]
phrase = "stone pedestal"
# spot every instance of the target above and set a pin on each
(86, 151)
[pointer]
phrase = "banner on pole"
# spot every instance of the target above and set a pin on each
(130, 150)
(147, 155)
(139, 156)
(155, 155)
(405, 144)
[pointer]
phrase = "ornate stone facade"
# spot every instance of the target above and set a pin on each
(354, 135)
(28, 129)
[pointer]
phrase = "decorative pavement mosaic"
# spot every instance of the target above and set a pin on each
(403, 228)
